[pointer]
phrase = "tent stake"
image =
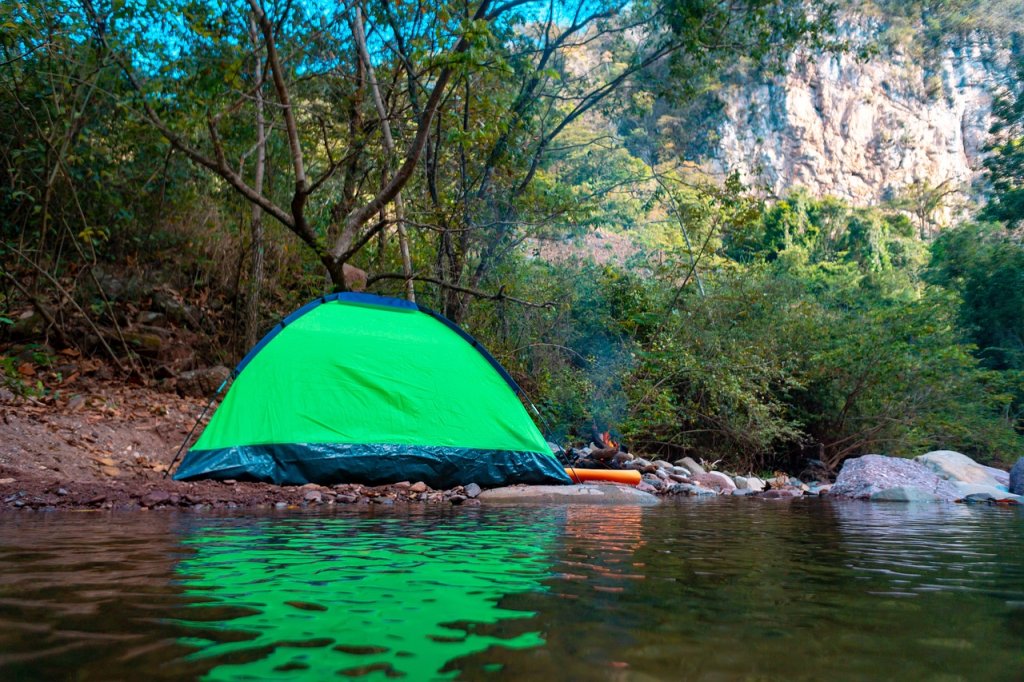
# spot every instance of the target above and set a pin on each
(198, 420)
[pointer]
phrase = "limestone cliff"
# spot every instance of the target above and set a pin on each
(865, 129)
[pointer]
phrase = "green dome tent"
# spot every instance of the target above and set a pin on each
(357, 388)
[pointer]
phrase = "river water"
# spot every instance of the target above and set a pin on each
(725, 589)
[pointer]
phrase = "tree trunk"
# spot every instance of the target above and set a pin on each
(252, 307)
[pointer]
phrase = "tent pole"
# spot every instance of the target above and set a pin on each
(198, 420)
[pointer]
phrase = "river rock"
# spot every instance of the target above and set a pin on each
(954, 466)
(713, 479)
(156, 497)
(472, 490)
(689, 490)
(862, 477)
(726, 482)
(1017, 477)
(781, 493)
(202, 383)
(752, 483)
(904, 494)
(568, 494)
(653, 481)
(688, 463)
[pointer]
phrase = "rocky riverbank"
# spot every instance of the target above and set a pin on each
(107, 446)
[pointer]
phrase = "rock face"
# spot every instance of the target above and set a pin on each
(1017, 477)
(864, 476)
(954, 466)
(864, 130)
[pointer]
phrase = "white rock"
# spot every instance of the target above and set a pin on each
(754, 483)
(957, 467)
(691, 465)
(997, 492)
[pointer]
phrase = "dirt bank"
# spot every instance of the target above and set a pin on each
(107, 445)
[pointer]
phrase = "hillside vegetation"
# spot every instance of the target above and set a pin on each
(224, 163)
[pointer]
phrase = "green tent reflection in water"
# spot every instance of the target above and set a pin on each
(312, 597)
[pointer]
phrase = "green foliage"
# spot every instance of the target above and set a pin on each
(824, 343)
(1004, 165)
(985, 264)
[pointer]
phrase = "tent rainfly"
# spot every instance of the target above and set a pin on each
(357, 388)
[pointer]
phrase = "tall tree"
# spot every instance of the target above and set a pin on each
(1004, 166)
(329, 207)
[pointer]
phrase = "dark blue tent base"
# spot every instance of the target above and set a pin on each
(371, 464)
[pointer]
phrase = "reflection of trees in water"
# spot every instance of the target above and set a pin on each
(735, 589)
(386, 596)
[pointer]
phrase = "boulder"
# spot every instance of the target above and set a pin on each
(862, 477)
(1017, 477)
(567, 494)
(954, 466)
(904, 494)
